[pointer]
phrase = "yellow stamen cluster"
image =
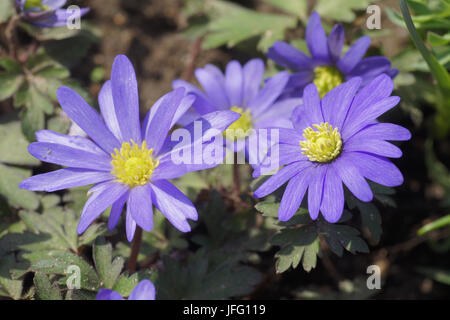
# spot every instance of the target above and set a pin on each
(30, 4)
(326, 78)
(323, 145)
(133, 165)
(239, 128)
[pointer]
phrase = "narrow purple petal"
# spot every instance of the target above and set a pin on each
(173, 204)
(333, 196)
(374, 146)
(116, 211)
(280, 178)
(140, 206)
(234, 83)
(69, 157)
(371, 67)
(126, 98)
(293, 195)
(335, 42)
(310, 112)
(64, 179)
(354, 55)
(87, 119)
(105, 195)
(316, 39)
(269, 93)
(130, 225)
(315, 190)
(75, 142)
(289, 57)
(253, 74)
(385, 131)
(278, 115)
(213, 82)
(159, 126)
(352, 178)
(335, 104)
(376, 168)
(58, 18)
(106, 103)
(202, 104)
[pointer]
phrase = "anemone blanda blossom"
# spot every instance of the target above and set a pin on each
(47, 13)
(127, 162)
(336, 140)
(144, 290)
(326, 68)
(240, 90)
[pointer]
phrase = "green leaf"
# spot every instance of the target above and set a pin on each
(9, 187)
(46, 290)
(59, 264)
(437, 40)
(298, 8)
(341, 10)
(108, 270)
(371, 219)
(340, 237)
(14, 146)
(33, 120)
(9, 287)
(9, 84)
(298, 244)
(10, 65)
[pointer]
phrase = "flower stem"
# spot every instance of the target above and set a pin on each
(135, 246)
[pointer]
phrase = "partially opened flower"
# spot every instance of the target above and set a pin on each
(327, 67)
(126, 162)
(337, 141)
(47, 13)
(144, 290)
(240, 90)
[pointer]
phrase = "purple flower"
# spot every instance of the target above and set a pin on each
(337, 140)
(126, 162)
(47, 13)
(240, 90)
(144, 290)
(326, 68)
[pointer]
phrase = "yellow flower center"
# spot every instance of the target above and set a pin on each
(323, 145)
(326, 78)
(30, 4)
(239, 128)
(133, 165)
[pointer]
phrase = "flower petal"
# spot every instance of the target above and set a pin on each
(280, 178)
(310, 112)
(144, 290)
(316, 39)
(354, 55)
(159, 126)
(352, 178)
(374, 146)
(75, 142)
(140, 206)
(336, 42)
(87, 119)
(116, 211)
(253, 72)
(105, 195)
(202, 104)
(293, 195)
(385, 131)
(130, 226)
(234, 83)
(269, 93)
(106, 103)
(332, 204)
(64, 179)
(69, 157)
(213, 82)
(315, 190)
(173, 204)
(108, 294)
(289, 57)
(126, 98)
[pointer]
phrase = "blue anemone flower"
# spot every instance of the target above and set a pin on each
(127, 162)
(326, 68)
(336, 140)
(144, 290)
(47, 13)
(241, 89)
